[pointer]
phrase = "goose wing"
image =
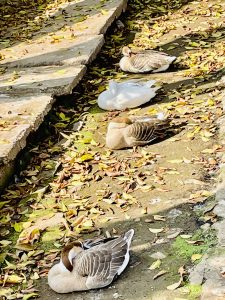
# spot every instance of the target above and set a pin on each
(101, 263)
(149, 60)
(146, 132)
(90, 243)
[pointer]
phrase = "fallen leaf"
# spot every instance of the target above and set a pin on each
(159, 218)
(155, 265)
(29, 296)
(195, 257)
(175, 161)
(161, 273)
(156, 230)
(175, 285)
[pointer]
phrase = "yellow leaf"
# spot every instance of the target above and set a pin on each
(13, 279)
(63, 71)
(87, 223)
(86, 157)
(210, 102)
(101, 88)
(195, 257)
(104, 12)
(29, 296)
(152, 111)
(155, 265)
(4, 141)
(175, 161)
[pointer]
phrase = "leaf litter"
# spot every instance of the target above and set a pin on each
(53, 201)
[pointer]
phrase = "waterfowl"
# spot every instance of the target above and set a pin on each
(92, 266)
(145, 61)
(127, 132)
(128, 94)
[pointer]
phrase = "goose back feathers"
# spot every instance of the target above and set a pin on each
(124, 132)
(145, 61)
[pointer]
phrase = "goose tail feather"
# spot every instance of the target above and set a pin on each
(128, 236)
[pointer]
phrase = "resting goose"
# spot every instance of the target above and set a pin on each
(145, 61)
(127, 132)
(128, 94)
(91, 265)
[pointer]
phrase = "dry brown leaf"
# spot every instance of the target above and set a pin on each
(161, 273)
(175, 285)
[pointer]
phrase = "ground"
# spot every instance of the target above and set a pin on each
(73, 187)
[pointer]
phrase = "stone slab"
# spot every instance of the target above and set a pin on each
(213, 270)
(43, 52)
(50, 62)
(57, 80)
(91, 12)
(19, 115)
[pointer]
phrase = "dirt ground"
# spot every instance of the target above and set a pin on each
(164, 191)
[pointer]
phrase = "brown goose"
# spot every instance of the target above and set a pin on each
(125, 132)
(90, 265)
(145, 61)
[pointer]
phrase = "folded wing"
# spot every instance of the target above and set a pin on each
(102, 263)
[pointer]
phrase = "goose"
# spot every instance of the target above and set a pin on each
(90, 265)
(139, 131)
(128, 94)
(145, 61)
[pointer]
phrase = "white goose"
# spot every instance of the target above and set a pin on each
(90, 265)
(128, 94)
(145, 61)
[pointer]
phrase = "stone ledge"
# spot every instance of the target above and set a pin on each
(24, 114)
(70, 52)
(57, 80)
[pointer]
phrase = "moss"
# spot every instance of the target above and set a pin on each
(194, 291)
(185, 250)
(95, 109)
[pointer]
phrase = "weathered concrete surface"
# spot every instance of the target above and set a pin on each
(52, 61)
(57, 80)
(46, 52)
(211, 269)
(17, 120)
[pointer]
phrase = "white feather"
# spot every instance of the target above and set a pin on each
(128, 94)
(128, 237)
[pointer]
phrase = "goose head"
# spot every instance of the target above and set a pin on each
(126, 51)
(60, 277)
(69, 253)
(106, 100)
(113, 87)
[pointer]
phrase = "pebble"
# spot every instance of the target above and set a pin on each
(174, 213)
(158, 255)
(116, 295)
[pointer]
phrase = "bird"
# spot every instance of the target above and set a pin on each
(91, 265)
(139, 131)
(145, 61)
(128, 94)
